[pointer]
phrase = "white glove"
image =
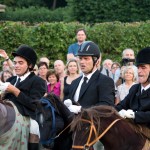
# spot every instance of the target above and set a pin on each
(68, 102)
(130, 114)
(3, 86)
(75, 109)
(122, 113)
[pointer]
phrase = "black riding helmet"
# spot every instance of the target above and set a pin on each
(143, 57)
(27, 53)
(89, 48)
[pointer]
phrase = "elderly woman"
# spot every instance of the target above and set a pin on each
(129, 74)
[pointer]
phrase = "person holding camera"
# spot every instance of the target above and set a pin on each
(128, 59)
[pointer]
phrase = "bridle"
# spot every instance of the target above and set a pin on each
(97, 137)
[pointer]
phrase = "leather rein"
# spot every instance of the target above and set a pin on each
(97, 137)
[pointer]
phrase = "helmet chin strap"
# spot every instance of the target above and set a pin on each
(94, 62)
(27, 70)
(148, 79)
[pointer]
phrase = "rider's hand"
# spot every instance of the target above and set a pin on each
(122, 113)
(130, 114)
(68, 102)
(75, 109)
(4, 86)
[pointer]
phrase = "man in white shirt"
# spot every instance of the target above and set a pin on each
(25, 93)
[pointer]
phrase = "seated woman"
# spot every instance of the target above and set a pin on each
(53, 85)
(129, 75)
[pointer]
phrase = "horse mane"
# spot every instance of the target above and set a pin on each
(95, 114)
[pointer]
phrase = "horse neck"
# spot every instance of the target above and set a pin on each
(65, 112)
(121, 135)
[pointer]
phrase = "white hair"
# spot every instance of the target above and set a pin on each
(125, 50)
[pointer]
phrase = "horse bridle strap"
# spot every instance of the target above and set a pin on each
(88, 144)
(63, 130)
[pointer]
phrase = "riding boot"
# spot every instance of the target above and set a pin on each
(33, 146)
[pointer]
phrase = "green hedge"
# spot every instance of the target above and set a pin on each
(53, 39)
(36, 14)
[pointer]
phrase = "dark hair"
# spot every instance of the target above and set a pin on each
(52, 72)
(115, 63)
(81, 29)
(42, 64)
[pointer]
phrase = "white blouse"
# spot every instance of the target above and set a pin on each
(123, 90)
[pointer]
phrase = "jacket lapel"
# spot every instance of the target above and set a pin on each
(93, 77)
(13, 81)
(75, 87)
(25, 80)
(145, 93)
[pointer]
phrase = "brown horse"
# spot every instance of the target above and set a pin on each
(103, 123)
(14, 128)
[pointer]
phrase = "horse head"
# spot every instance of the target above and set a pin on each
(53, 116)
(89, 124)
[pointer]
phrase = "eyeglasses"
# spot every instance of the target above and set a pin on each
(114, 67)
(128, 73)
(42, 68)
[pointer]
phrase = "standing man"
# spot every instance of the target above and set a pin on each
(25, 88)
(73, 48)
(136, 104)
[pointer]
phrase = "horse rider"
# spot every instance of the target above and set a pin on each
(92, 88)
(25, 88)
(136, 104)
(98, 88)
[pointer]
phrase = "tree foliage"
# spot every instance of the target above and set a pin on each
(28, 3)
(110, 10)
(52, 39)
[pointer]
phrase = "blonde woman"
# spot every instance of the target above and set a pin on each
(129, 75)
(72, 72)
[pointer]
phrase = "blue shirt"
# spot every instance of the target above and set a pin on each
(73, 49)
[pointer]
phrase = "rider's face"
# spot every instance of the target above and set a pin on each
(143, 73)
(20, 65)
(86, 64)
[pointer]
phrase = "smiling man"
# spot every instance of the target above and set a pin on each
(25, 88)
(136, 104)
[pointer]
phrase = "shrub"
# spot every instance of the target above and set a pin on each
(52, 39)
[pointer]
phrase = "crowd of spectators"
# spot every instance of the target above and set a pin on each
(59, 77)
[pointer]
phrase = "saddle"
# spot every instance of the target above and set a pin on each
(142, 129)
